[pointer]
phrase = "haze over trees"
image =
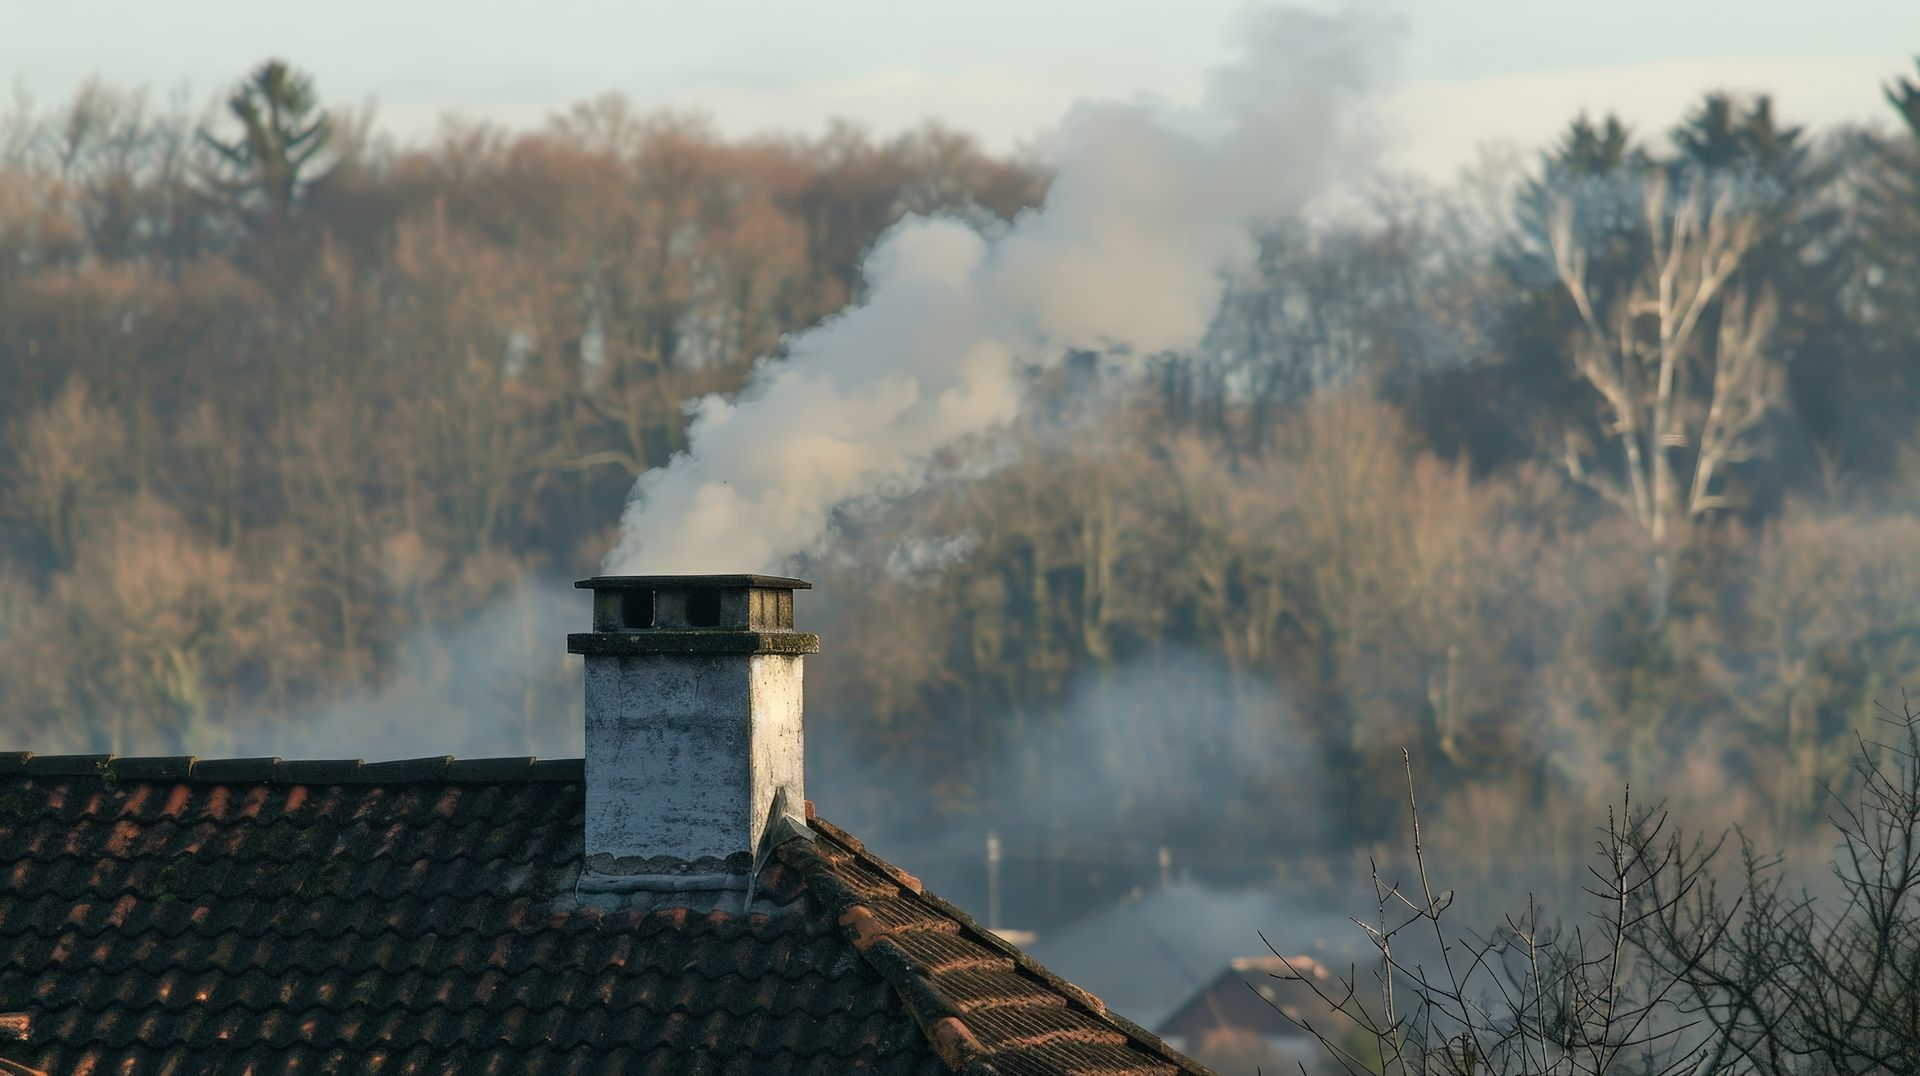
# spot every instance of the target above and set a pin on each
(1596, 469)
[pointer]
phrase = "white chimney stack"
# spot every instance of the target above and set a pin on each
(693, 723)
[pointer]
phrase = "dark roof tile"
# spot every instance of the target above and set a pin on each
(560, 769)
(63, 765)
(329, 771)
(168, 768)
(231, 770)
(490, 769)
(253, 915)
(403, 770)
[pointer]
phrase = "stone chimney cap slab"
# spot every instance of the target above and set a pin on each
(692, 582)
(717, 641)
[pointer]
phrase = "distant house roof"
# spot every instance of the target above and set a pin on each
(1272, 1008)
(161, 915)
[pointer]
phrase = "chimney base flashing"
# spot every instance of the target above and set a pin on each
(719, 882)
(620, 644)
(608, 865)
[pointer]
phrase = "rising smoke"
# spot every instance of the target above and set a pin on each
(496, 682)
(1149, 206)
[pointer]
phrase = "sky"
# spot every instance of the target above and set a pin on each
(1472, 73)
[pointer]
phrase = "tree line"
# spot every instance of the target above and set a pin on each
(1591, 467)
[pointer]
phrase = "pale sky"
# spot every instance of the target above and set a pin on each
(1470, 71)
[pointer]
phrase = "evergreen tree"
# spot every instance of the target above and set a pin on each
(1886, 389)
(283, 133)
(1904, 96)
(1498, 412)
(1893, 216)
(1803, 256)
(1601, 173)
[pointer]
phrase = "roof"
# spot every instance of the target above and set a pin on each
(1275, 1006)
(162, 915)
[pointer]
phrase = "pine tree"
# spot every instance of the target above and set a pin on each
(1497, 412)
(1600, 172)
(1887, 387)
(282, 136)
(1803, 254)
(1893, 216)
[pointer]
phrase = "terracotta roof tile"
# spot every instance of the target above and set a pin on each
(169, 915)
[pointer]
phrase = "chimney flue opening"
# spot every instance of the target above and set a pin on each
(703, 609)
(636, 608)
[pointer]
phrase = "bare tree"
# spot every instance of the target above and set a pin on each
(66, 455)
(1794, 984)
(1679, 359)
(1530, 997)
(1693, 971)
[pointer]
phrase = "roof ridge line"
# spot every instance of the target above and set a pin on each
(955, 1044)
(272, 769)
(1007, 950)
(938, 1017)
(1074, 992)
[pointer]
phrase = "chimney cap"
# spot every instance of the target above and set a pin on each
(691, 582)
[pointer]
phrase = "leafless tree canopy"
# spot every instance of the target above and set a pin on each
(1692, 956)
(1594, 468)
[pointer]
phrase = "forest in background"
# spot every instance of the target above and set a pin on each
(1593, 468)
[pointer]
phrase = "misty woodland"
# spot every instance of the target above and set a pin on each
(1596, 468)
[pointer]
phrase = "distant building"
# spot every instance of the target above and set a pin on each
(670, 904)
(1253, 1000)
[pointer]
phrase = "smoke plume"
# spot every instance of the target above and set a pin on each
(493, 682)
(1149, 206)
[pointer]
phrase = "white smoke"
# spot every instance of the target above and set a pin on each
(489, 683)
(1148, 208)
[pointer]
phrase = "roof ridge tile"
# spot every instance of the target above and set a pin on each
(489, 769)
(318, 771)
(153, 767)
(407, 769)
(64, 765)
(876, 941)
(560, 769)
(275, 770)
(227, 771)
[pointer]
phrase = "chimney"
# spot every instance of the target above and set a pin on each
(693, 724)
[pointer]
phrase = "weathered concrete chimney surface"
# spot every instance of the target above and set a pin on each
(693, 722)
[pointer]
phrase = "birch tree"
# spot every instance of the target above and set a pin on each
(1680, 361)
